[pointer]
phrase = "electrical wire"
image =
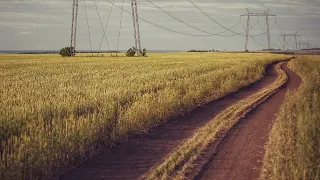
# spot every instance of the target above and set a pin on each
(263, 47)
(183, 33)
(254, 45)
(275, 45)
(281, 42)
(85, 7)
(254, 40)
(261, 39)
(256, 35)
(292, 44)
(276, 20)
(165, 28)
(120, 27)
(280, 32)
(221, 25)
(270, 28)
(278, 28)
(104, 28)
(259, 23)
(286, 43)
(193, 27)
(275, 23)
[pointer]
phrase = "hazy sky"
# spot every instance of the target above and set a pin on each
(45, 24)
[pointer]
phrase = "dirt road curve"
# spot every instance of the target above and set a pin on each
(240, 155)
(133, 159)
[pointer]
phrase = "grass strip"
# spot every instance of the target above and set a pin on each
(293, 150)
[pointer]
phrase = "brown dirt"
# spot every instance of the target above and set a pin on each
(241, 152)
(140, 153)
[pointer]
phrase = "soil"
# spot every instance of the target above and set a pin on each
(241, 152)
(133, 159)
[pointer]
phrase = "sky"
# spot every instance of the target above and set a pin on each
(46, 24)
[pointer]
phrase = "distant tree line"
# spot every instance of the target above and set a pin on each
(311, 49)
(271, 49)
(45, 52)
(193, 50)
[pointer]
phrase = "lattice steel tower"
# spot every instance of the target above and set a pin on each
(73, 41)
(307, 44)
(266, 14)
(295, 35)
(136, 30)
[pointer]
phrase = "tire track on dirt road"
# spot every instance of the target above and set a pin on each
(135, 158)
(240, 154)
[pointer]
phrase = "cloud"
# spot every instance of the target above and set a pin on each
(24, 33)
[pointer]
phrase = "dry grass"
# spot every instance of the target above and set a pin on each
(293, 151)
(179, 162)
(57, 112)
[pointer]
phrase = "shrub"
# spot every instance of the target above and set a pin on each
(131, 52)
(66, 52)
(144, 52)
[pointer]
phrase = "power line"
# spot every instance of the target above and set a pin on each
(181, 21)
(279, 29)
(275, 23)
(266, 14)
(104, 29)
(221, 25)
(275, 45)
(120, 27)
(159, 26)
(295, 35)
(85, 7)
(261, 45)
(304, 43)
(168, 29)
(271, 27)
(254, 45)
(256, 42)
(289, 44)
(256, 35)
(193, 27)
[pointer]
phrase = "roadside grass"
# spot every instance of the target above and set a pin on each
(56, 112)
(293, 151)
(181, 161)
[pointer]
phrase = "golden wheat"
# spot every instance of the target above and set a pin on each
(57, 112)
(293, 151)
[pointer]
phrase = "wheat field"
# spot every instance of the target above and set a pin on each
(57, 112)
(293, 151)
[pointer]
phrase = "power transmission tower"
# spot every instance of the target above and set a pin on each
(266, 14)
(135, 19)
(290, 35)
(73, 41)
(304, 43)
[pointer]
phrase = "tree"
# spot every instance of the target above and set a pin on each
(131, 52)
(144, 52)
(66, 52)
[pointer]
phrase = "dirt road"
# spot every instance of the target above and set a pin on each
(140, 153)
(240, 154)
